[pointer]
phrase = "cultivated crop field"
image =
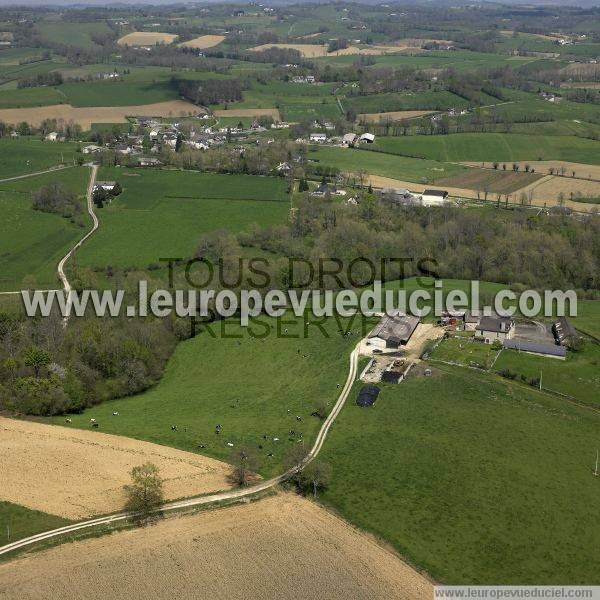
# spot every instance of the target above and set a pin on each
(164, 213)
(302, 547)
(83, 472)
(395, 115)
(502, 182)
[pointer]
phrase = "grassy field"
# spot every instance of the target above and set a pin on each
(27, 97)
(252, 387)
(406, 101)
(386, 165)
(19, 156)
(472, 478)
(32, 242)
(164, 213)
(500, 181)
(118, 93)
(464, 351)
(578, 376)
(493, 146)
(73, 34)
(22, 522)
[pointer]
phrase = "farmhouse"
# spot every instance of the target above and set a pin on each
(367, 395)
(319, 138)
(393, 331)
(54, 137)
(490, 329)
(107, 186)
(324, 188)
(434, 197)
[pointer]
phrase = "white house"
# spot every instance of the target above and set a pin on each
(53, 137)
(318, 138)
(434, 197)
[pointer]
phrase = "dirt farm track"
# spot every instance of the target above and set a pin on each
(305, 552)
(77, 474)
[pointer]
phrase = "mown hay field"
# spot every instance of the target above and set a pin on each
(204, 41)
(97, 114)
(77, 474)
(304, 552)
(146, 38)
(565, 168)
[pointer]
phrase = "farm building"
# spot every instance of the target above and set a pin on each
(393, 331)
(369, 138)
(434, 197)
(540, 349)
(319, 138)
(490, 329)
(367, 395)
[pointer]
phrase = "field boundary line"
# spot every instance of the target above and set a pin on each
(236, 494)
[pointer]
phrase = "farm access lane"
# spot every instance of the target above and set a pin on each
(95, 225)
(237, 494)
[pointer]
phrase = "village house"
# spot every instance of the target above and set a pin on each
(491, 329)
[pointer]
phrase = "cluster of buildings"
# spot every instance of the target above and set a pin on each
(348, 140)
(428, 197)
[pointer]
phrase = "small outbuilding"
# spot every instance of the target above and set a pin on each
(367, 395)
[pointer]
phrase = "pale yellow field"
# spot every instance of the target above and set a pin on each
(281, 547)
(396, 115)
(548, 189)
(319, 50)
(78, 474)
(146, 38)
(97, 114)
(582, 171)
(204, 41)
(249, 112)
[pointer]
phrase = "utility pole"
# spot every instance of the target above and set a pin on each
(540, 380)
(596, 469)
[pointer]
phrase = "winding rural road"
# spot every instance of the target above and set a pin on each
(219, 496)
(95, 224)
